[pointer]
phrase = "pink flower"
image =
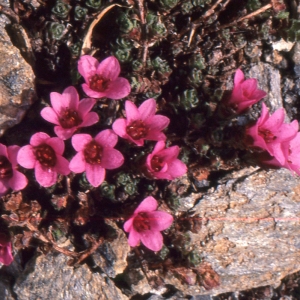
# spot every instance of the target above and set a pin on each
(269, 133)
(95, 155)
(5, 250)
(44, 154)
(68, 113)
(245, 92)
(291, 152)
(141, 123)
(146, 223)
(9, 176)
(102, 78)
(163, 163)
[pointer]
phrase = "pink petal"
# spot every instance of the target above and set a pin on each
(238, 77)
(133, 238)
(6, 256)
(45, 177)
(276, 150)
(248, 87)
(275, 121)
(169, 154)
(3, 150)
(62, 165)
(57, 145)
(26, 157)
(132, 113)
(259, 94)
(177, 168)
(118, 89)
(18, 181)
(106, 138)
(158, 122)
(111, 158)
(119, 127)
(287, 131)
(39, 138)
(95, 174)
(77, 163)
(80, 140)
(128, 224)
(153, 240)
(147, 109)
(50, 115)
(158, 147)
(56, 102)
(147, 205)
(85, 105)
(70, 98)
(160, 220)
(92, 93)
(109, 68)
(264, 115)
(87, 66)
(64, 133)
(12, 153)
(155, 136)
(90, 119)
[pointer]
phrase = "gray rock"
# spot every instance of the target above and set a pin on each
(49, 277)
(269, 80)
(16, 81)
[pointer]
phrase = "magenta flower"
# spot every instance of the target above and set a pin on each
(291, 152)
(9, 176)
(163, 163)
(5, 250)
(44, 155)
(95, 155)
(102, 78)
(269, 133)
(68, 113)
(245, 92)
(146, 223)
(141, 123)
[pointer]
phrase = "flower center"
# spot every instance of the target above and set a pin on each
(141, 222)
(267, 135)
(157, 163)
(69, 118)
(93, 153)
(98, 83)
(45, 155)
(5, 168)
(137, 130)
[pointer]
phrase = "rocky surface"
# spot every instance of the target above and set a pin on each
(17, 91)
(49, 277)
(242, 219)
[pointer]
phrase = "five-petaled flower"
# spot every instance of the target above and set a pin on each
(146, 223)
(44, 154)
(162, 163)
(102, 78)
(270, 133)
(95, 155)
(141, 123)
(5, 250)
(68, 113)
(245, 93)
(9, 176)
